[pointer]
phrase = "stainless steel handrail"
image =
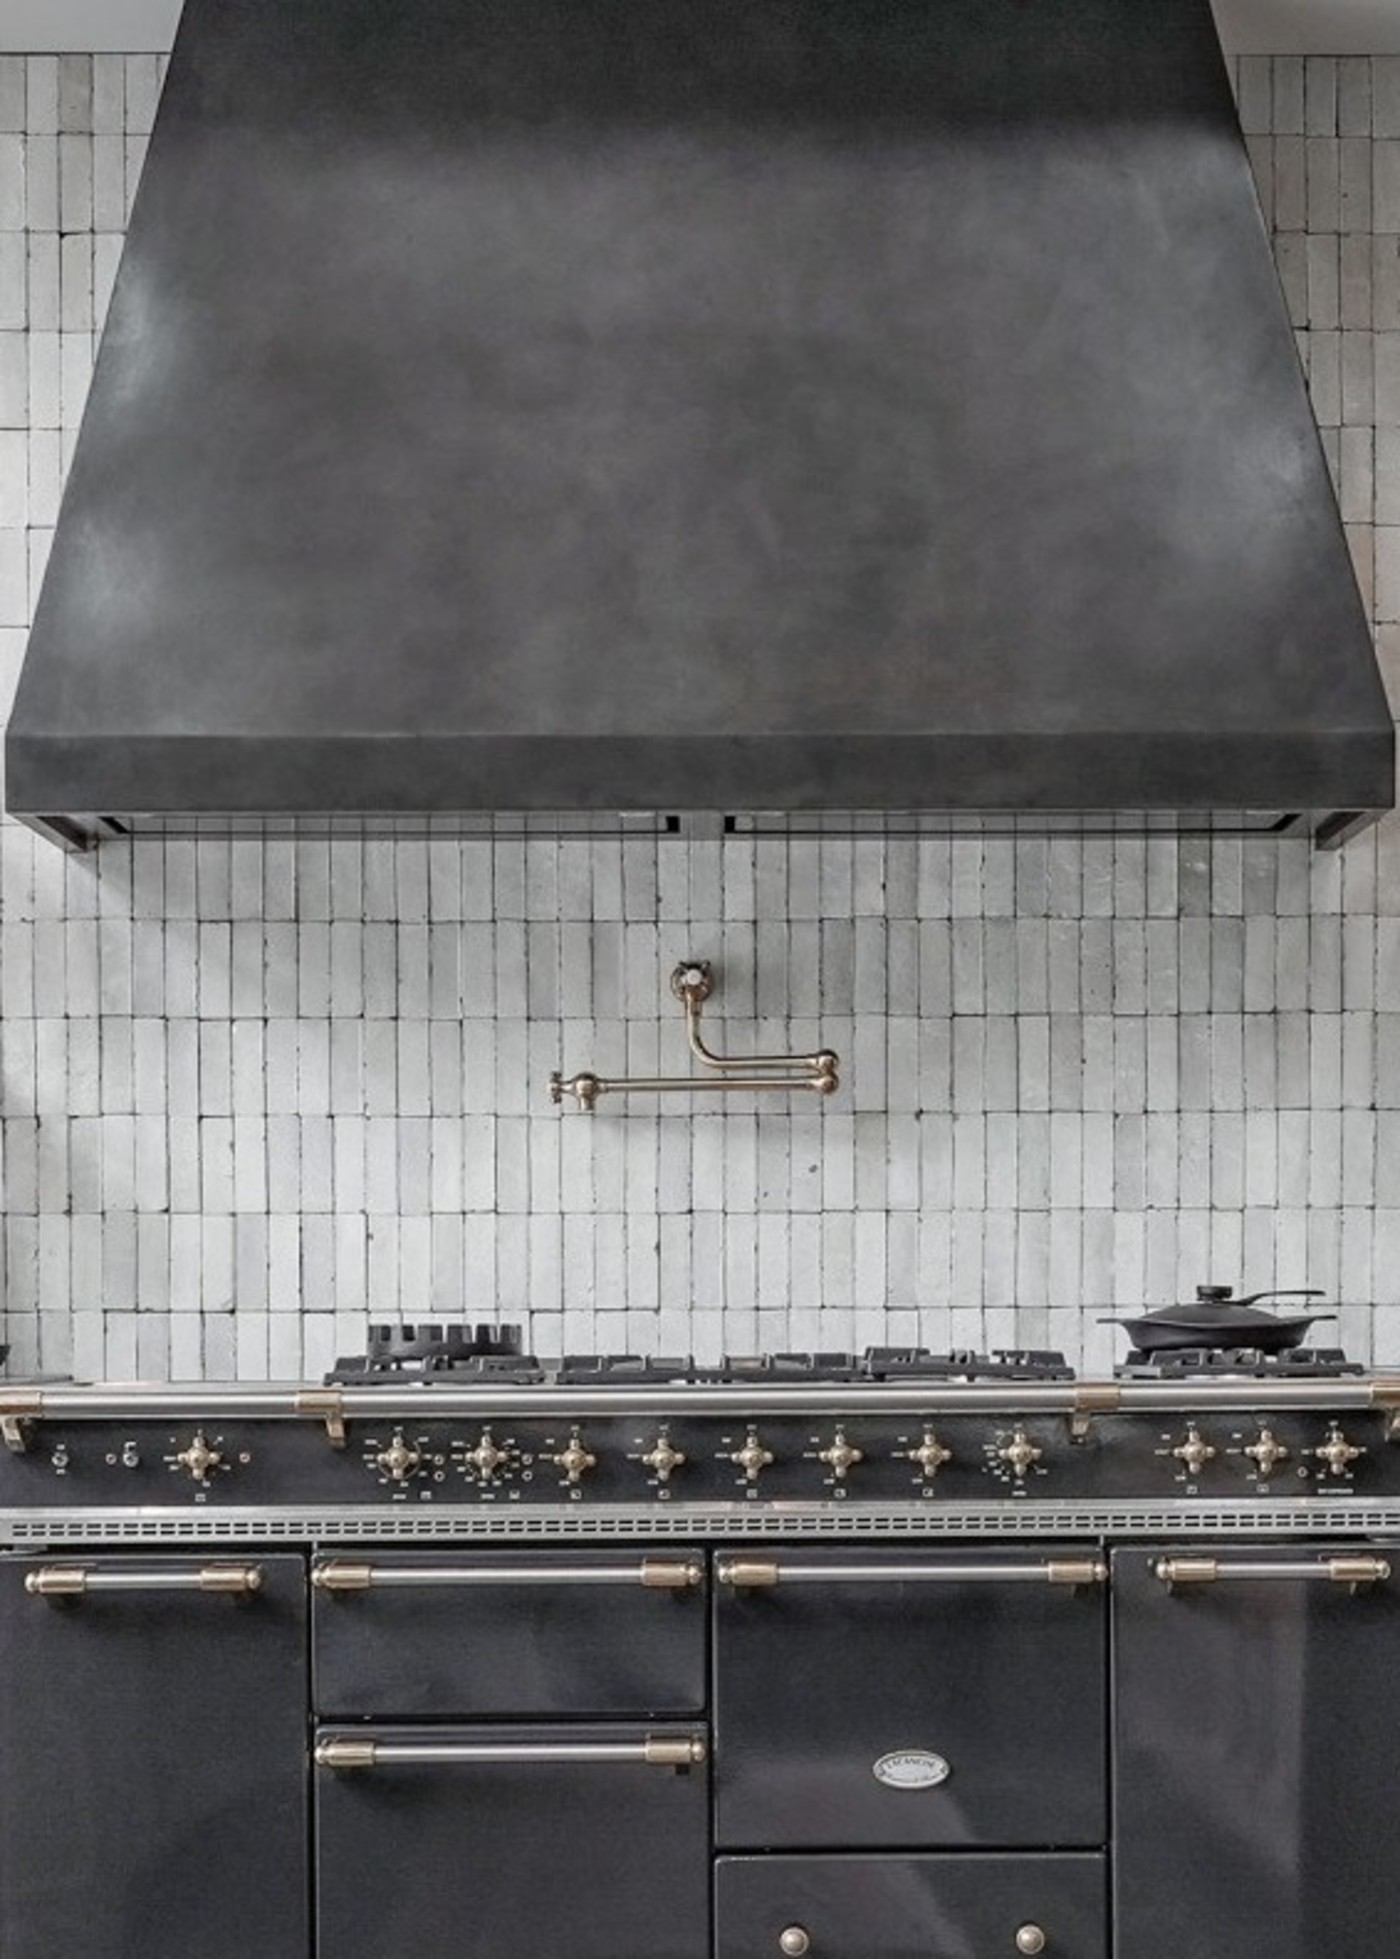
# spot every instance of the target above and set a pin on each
(73, 1581)
(755, 1573)
(655, 1751)
(208, 1400)
(359, 1575)
(1352, 1571)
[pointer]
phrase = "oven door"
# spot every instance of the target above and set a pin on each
(589, 1841)
(153, 1757)
(912, 1907)
(1256, 1706)
(909, 1699)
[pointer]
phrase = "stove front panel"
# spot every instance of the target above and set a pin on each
(421, 1460)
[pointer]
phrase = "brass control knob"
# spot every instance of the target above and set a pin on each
(1020, 1453)
(753, 1457)
(199, 1458)
(487, 1457)
(400, 1459)
(1030, 1938)
(1266, 1451)
(1195, 1451)
(841, 1456)
(930, 1454)
(663, 1457)
(1337, 1452)
(794, 1942)
(574, 1460)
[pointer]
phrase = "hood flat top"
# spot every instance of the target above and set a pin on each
(790, 405)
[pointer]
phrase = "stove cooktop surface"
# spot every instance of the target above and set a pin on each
(491, 1355)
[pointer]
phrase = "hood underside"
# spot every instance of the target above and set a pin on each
(571, 413)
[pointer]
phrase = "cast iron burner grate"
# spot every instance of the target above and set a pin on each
(484, 1353)
(1001, 1364)
(1295, 1364)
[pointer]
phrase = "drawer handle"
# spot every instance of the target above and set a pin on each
(753, 1573)
(794, 1941)
(74, 1581)
(1352, 1571)
(654, 1751)
(656, 1574)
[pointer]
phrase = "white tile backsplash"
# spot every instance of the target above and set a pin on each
(254, 1093)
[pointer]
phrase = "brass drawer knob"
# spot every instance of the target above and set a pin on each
(794, 1942)
(1030, 1938)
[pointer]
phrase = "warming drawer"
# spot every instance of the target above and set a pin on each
(909, 1699)
(589, 1841)
(546, 1633)
(911, 1907)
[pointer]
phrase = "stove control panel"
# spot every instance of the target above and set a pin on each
(656, 1458)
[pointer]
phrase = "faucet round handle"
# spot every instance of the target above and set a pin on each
(693, 979)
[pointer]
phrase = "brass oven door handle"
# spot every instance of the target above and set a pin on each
(1352, 1571)
(652, 1751)
(752, 1573)
(655, 1574)
(75, 1581)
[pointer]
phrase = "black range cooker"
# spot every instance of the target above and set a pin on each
(874, 1655)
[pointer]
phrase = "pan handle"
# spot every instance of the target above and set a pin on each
(1285, 1292)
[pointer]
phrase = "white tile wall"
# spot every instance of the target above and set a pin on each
(255, 1092)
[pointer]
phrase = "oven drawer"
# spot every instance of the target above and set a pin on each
(908, 1700)
(462, 1634)
(589, 1841)
(911, 1907)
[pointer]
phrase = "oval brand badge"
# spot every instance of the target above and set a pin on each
(912, 1768)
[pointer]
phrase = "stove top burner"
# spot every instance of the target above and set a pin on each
(395, 1354)
(1295, 1363)
(491, 1356)
(1001, 1364)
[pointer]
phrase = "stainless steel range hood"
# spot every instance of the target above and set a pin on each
(571, 412)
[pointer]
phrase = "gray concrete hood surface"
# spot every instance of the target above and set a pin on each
(784, 408)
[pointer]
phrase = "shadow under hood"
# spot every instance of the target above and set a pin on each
(565, 413)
